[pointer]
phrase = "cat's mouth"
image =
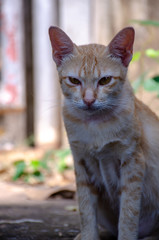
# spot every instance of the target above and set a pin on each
(90, 109)
(97, 109)
(96, 113)
(94, 110)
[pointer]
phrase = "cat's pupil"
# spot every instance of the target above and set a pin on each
(74, 81)
(105, 80)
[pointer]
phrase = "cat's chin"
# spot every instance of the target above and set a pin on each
(90, 109)
(95, 110)
(96, 114)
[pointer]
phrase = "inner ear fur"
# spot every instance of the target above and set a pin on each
(121, 45)
(61, 44)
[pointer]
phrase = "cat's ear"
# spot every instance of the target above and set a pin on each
(62, 45)
(121, 45)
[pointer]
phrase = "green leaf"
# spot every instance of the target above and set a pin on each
(152, 53)
(139, 82)
(136, 57)
(35, 164)
(156, 79)
(48, 156)
(146, 22)
(38, 175)
(150, 85)
(20, 169)
(62, 165)
(63, 153)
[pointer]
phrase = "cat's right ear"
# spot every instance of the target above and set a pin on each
(122, 45)
(62, 45)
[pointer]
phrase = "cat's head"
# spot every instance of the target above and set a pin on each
(92, 76)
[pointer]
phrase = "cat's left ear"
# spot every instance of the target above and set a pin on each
(121, 45)
(62, 45)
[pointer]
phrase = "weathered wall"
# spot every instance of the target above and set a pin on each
(85, 21)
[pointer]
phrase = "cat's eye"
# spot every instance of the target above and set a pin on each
(104, 80)
(74, 81)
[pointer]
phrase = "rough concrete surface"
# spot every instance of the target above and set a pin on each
(39, 213)
(39, 220)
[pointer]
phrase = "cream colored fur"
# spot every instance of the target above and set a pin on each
(113, 136)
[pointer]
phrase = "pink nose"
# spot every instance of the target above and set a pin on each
(89, 102)
(88, 97)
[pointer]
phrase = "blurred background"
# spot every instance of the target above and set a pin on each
(33, 143)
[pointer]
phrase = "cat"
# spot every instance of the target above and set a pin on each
(113, 136)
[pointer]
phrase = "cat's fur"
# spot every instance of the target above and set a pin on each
(113, 136)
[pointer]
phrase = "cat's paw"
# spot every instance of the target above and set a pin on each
(78, 237)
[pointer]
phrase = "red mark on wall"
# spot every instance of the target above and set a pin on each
(12, 92)
(10, 34)
(11, 50)
(11, 86)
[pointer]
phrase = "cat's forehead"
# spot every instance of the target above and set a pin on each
(90, 62)
(91, 49)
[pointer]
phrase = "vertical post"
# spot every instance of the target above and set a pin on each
(47, 97)
(12, 85)
(102, 21)
(75, 19)
(27, 13)
(12, 89)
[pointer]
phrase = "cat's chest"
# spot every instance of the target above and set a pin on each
(92, 137)
(103, 172)
(101, 150)
(103, 169)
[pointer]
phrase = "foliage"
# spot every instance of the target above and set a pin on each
(38, 168)
(146, 22)
(150, 84)
(62, 155)
(20, 169)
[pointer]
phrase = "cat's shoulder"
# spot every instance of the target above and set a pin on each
(142, 110)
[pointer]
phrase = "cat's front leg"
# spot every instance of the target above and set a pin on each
(87, 200)
(132, 174)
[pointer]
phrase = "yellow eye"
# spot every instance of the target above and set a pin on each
(104, 80)
(74, 81)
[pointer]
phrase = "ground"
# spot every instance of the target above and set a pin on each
(39, 220)
(36, 210)
(38, 213)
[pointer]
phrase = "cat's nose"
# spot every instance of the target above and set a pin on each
(89, 102)
(88, 97)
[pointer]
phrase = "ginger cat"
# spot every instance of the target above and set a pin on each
(113, 136)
